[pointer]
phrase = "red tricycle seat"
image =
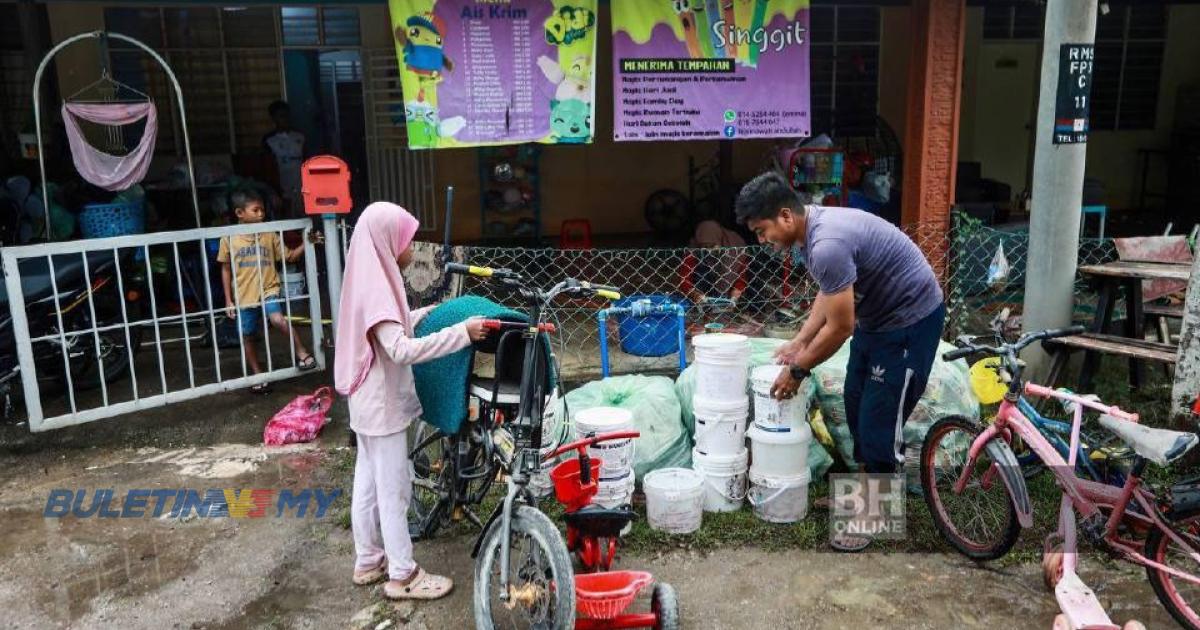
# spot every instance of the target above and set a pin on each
(569, 489)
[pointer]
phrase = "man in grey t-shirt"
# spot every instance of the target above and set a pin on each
(873, 282)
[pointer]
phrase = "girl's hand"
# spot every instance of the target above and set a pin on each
(475, 329)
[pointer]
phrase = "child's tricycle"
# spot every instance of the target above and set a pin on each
(592, 533)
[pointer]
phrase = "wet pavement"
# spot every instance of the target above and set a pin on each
(242, 573)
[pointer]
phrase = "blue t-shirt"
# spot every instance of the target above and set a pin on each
(894, 286)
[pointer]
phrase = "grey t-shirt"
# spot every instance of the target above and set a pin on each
(894, 286)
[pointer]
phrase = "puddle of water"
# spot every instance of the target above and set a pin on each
(93, 559)
(223, 461)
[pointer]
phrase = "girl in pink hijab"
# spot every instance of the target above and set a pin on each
(373, 366)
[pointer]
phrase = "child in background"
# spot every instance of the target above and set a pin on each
(373, 366)
(251, 259)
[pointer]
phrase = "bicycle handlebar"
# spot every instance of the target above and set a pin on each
(588, 441)
(1027, 339)
(512, 278)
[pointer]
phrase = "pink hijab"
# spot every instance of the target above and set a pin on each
(372, 289)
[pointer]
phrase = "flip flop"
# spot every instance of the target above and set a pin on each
(307, 363)
(371, 576)
(849, 544)
(260, 388)
(421, 585)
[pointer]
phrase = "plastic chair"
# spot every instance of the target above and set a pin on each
(1101, 211)
(575, 234)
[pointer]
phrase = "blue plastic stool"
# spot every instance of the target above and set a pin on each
(1102, 211)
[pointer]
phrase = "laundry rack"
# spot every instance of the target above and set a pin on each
(104, 36)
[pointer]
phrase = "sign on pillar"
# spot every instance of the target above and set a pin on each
(1075, 65)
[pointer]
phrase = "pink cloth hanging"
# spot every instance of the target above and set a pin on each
(111, 172)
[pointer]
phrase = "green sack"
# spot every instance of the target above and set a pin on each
(656, 414)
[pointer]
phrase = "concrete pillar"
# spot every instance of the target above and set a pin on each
(931, 134)
(1187, 370)
(1057, 185)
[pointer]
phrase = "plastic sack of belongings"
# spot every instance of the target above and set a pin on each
(947, 394)
(664, 442)
(761, 353)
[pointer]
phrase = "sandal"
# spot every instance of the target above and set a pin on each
(849, 543)
(307, 363)
(420, 585)
(371, 576)
(260, 388)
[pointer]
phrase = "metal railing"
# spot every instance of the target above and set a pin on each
(82, 312)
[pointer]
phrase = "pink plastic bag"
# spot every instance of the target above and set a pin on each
(300, 420)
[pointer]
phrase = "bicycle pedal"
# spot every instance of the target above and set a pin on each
(1093, 529)
(457, 515)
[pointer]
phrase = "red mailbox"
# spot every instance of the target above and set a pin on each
(325, 184)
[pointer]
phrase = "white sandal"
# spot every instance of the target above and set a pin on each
(421, 585)
(371, 576)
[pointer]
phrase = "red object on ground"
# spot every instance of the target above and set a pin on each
(606, 595)
(301, 420)
(575, 234)
(325, 185)
(1196, 406)
(569, 488)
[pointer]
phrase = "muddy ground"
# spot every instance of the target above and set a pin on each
(233, 573)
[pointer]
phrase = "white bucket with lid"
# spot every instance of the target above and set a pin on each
(674, 499)
(722, 363)
(771, 414)
(614, 493)
(724, 479)
(616, 456)
(779, 454)
(720, 424)
(779, 499)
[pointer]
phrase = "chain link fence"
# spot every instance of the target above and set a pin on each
(748, 290)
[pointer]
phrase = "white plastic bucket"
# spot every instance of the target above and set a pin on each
(779, 454)
(293, 284)
(722, 363)
(724, 479)
(614, 493)
(771, 414)
(779, 499)
(720, 425)
(674, 499)
(616, 456)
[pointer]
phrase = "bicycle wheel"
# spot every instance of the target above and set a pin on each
(432, 474)
(541, 580)
(1180, 597)
(980, 522)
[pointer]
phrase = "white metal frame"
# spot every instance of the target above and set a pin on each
(37, 111)
(12, 256)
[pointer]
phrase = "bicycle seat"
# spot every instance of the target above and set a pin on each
(509, 391)
(1160, 446)
(600, 522)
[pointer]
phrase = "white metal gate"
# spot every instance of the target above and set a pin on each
(396, 174)
(78, 303)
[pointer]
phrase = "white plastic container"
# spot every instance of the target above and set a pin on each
(722, 363)
(779, 454)
(724, 479)
(616, 456)
(614, 493)
(720, 425)
(674, 499)
(779, 499)
(771, 414)
(293, 281)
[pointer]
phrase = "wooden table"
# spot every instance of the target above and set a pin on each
(1127, 275)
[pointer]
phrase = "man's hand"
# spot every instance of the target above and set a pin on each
(316, 237)
(230, 310)
(785, 386)
(790, 351)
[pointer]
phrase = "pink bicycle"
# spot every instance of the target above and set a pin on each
(976, 493)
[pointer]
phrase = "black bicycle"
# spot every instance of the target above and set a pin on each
(523, 572)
